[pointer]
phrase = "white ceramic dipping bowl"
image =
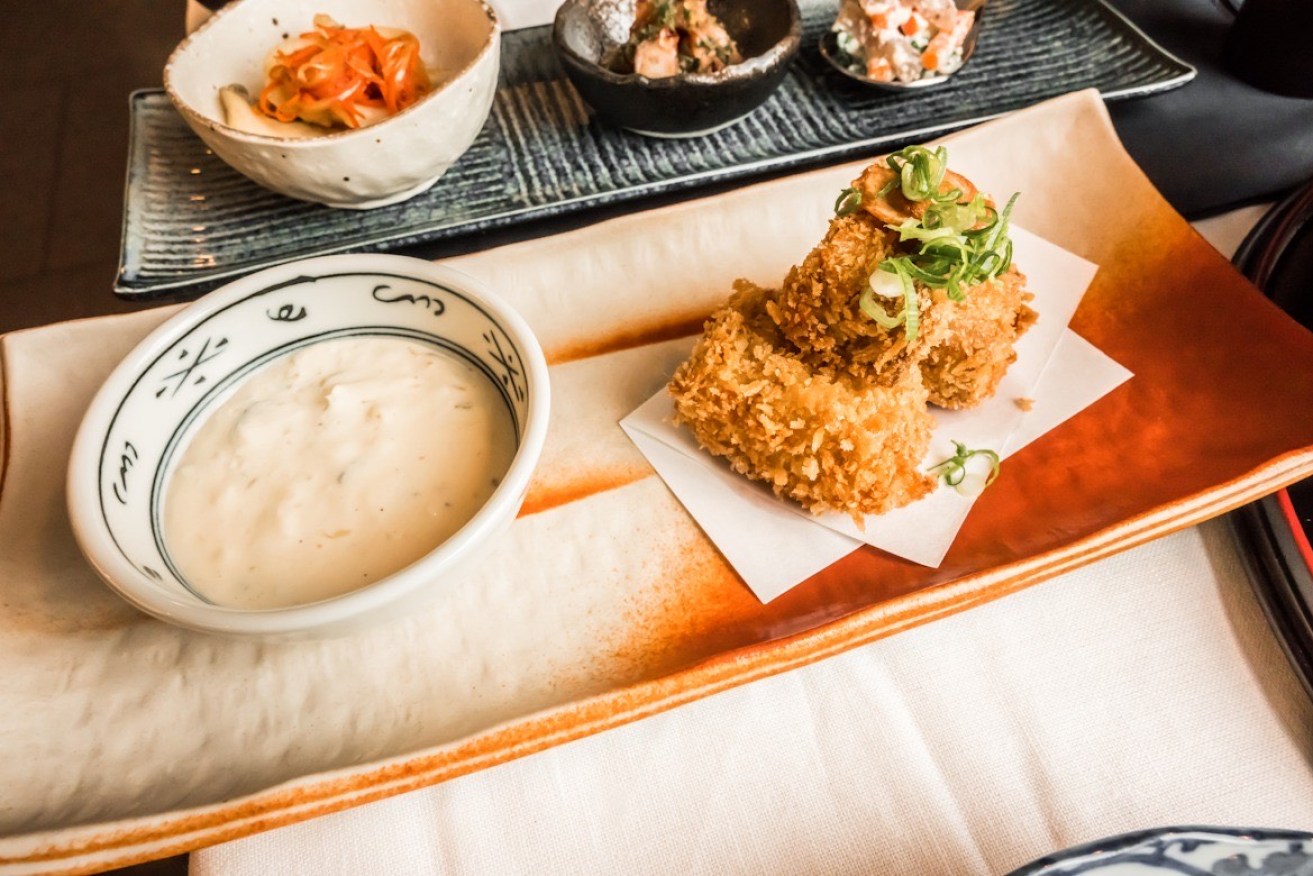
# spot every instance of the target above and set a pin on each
(140, 421)
(372, 166)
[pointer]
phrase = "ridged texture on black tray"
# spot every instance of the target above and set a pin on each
(192, 222)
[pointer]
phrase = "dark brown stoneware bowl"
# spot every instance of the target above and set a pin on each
(768, 33)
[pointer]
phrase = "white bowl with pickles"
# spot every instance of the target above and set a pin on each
(347, 103)
(310, 448)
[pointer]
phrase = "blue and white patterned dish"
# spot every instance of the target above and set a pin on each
(142, 417)
(1185, 851)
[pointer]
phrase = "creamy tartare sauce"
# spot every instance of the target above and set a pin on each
(333, 467)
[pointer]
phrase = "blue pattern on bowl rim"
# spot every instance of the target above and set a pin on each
(1185, 851)
(184, 372)
(152, 404)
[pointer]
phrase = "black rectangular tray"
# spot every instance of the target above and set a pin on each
(191, 222)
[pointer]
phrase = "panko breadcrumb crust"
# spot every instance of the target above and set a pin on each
(817, 435)
(817, 307)
(798, 388)
(963, 347)
(966, 367)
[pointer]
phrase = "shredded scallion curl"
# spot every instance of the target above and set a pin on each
(909, 317)
(954, 469)
(919, 172)
(957, 245)
(848, 201)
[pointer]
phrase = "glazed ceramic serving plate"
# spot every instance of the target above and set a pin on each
(1184, 851)
(191, 222)
(130, 739)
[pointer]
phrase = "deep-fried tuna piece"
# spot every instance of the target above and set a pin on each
(964, 347)
(965, 368)
(818, 436)
(818, 307)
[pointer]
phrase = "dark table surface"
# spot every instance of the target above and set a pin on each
(1214, 144)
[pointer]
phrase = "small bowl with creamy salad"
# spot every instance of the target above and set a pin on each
(310, 448)
(899, 45)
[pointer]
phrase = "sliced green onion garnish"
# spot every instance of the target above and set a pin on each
(848, 201)
(919, 173)
(886, 284)
(1001, 228)
(956, 245)
(914, 230)
(961, 218)
(952, 259)
(910, 316)
(874, 311)
(911, 305)
(953, 470)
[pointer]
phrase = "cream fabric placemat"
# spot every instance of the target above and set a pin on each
(1142, 691)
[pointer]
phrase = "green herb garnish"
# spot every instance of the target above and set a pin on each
(954, 469)
(673, 16)
(848, 201)
(909, 317)
(662, 15)
(920, 172)
(957, 245)
(960, 245)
